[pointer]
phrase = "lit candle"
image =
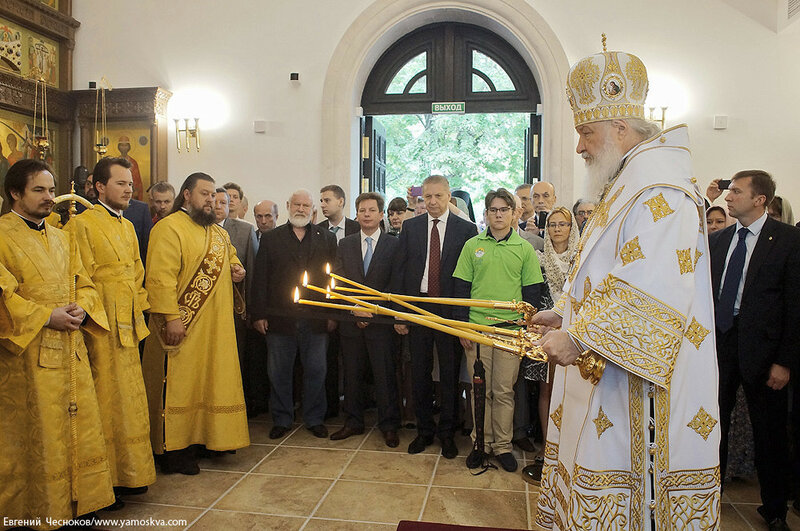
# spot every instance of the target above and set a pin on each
(296, 294)
(305, 278)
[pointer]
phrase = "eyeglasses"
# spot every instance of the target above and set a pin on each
(585, 212)
(502, 210)
(560, 225)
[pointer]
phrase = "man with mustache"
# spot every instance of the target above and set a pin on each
(194, 385)
(110, 253)
(49, 417)
(634, 417)
(284, 254)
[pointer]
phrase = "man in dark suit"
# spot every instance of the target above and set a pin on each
(283, 255)
(243, 238)
(429, 248)
(755, 272)
(331, 201)
(138, 213)
(367, 258)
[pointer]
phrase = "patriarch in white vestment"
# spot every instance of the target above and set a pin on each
(633, 435)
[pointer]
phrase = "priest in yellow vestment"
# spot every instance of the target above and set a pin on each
(110, 253)
(191, 368)
(53, 462)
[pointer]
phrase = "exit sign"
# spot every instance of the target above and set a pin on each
(451, 107)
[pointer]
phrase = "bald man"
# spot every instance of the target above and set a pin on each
(543, 198)
(266, 214)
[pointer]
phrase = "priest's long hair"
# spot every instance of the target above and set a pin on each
(189, 184)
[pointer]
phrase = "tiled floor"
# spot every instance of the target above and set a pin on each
(302, 482)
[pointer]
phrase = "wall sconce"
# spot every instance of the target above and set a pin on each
(189, 133)
(661, 120)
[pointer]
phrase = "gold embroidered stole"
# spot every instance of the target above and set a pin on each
(204, 280)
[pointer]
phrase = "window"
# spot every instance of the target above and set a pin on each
(407, 80)
(450, 62)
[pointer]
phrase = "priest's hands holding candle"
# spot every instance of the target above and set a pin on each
(237, 273)
(67, 317)
(546, 321)
(174, 332)
(559, 347)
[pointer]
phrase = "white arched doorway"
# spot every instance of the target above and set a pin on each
(386, 21)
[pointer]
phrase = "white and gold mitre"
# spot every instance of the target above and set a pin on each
(607, 85)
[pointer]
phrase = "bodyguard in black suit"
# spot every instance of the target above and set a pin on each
(755, 272)
(138, 213)
(367, 258)
(331, 201)
(416, 274)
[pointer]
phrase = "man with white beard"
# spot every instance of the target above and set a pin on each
(284, 254)
(633, 439)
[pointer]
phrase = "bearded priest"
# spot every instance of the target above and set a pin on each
(53, 464)
(191, 370)
(633, 437)
(110, 253)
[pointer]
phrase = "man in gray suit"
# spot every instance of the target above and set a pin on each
(532, 238)
(243, 238)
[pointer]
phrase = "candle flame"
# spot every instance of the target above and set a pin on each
(333, 283)
(327, 268)
(305, 278)
(296, 294)
(328, 292)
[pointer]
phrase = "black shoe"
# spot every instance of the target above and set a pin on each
(116, 506)
(346, 432)
(278, 432)
(778, 524)
(391, 438)
(319, 431)
(475, 459)
(129, 491)
(533, 473)
(419, 444)
(507, 461)
(524, 444)
(205, 453)
(449, 448)
(180, 462)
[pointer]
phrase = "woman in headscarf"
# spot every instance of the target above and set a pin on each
(780, 210)
(560, 246)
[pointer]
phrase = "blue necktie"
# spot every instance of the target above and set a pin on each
(367, 254)
(730, 287)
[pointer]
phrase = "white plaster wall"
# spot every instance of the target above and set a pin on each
(721, 60)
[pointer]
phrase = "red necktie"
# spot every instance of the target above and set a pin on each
(434, 262)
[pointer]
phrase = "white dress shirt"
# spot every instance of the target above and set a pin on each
(441, 227)
(750, 243)
(339, 233)
(374, 236)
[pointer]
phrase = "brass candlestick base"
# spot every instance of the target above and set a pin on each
(591, 365)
